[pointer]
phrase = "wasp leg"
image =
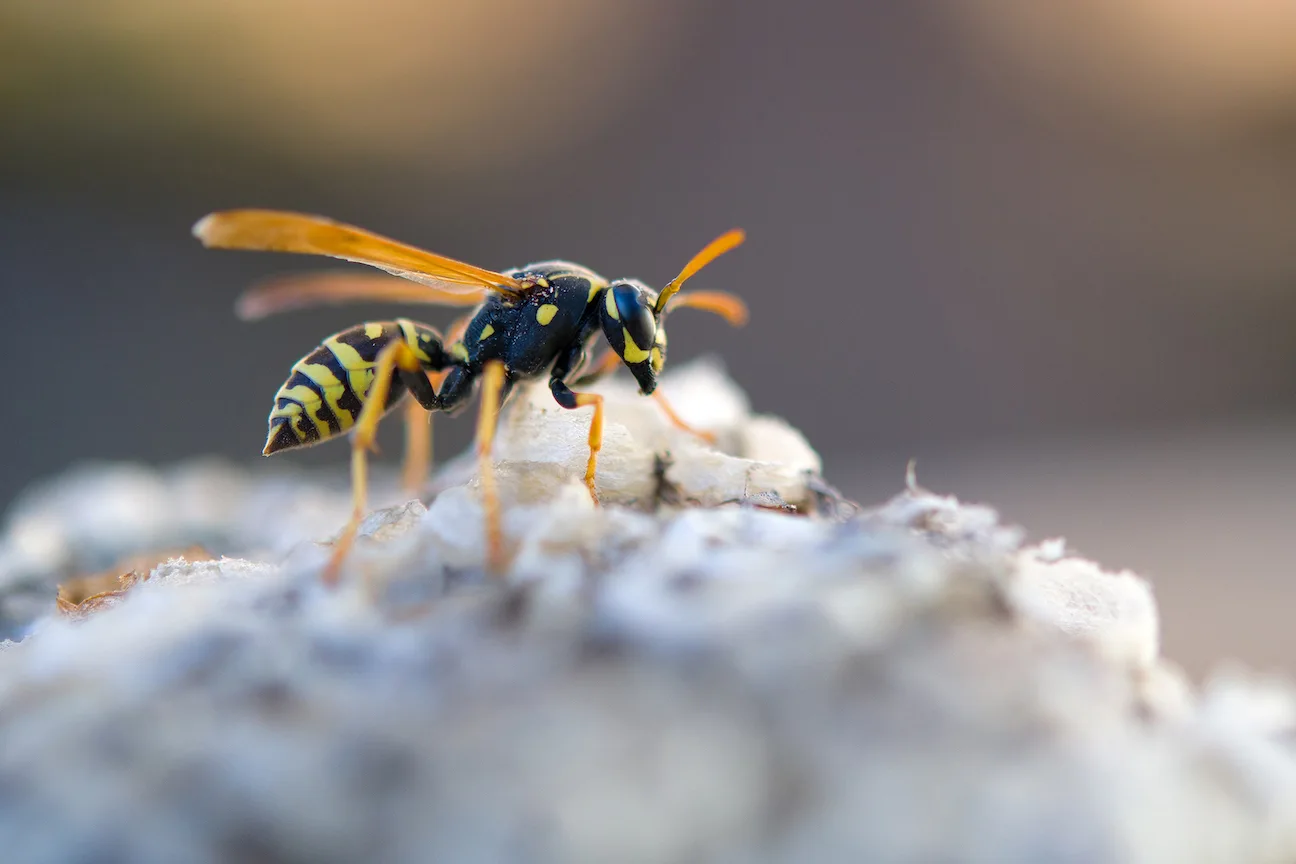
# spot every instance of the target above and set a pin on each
(678, 421)
(456, 389)
(418, 448)
(418, 427)
(395, 357)
(493, 392)
(605, 365)
(565, 397)
(417, 464)
(608, 364)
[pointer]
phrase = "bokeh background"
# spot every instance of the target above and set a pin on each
(1045, 248)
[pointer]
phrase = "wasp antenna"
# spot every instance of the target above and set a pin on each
(724, 243)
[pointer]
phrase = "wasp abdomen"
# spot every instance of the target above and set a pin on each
(328, 388)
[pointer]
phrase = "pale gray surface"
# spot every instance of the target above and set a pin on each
(729, 684)
(1204, 514)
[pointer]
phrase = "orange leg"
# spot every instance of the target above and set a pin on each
(572, 400)
(418, 448)
(417, 464)
(606, 365)
(396, 355)
(418, 429)
(595, 437)
(679, 421)
(487, 419)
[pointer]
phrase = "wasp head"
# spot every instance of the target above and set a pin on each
(632, 325)
(633, 314)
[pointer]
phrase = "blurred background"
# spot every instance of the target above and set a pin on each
(1044, 248)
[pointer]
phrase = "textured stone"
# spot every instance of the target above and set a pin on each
(777, 676)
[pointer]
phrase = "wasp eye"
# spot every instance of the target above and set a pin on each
(627, 301)
(636, 315)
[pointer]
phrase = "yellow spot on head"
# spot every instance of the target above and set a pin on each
(373, 331)
(486, 332)
(546, 313)
(632, 353)
(611, 307)
(459, 352)
(657, 360)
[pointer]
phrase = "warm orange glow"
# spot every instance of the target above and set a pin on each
(464, 83)
(1180, 56)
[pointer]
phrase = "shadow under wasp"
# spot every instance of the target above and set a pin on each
(529, 322)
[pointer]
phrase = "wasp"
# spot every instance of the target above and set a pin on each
(529, 323)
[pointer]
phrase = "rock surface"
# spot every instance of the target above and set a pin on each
(725, 662)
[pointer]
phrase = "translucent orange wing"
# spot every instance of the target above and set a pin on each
(281, 231)
(286, 293)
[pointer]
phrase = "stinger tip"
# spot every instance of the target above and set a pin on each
(281, 438)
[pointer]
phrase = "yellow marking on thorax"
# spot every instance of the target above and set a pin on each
(546, 313)
(611, 307)
(487, 331)
(459, 352)
(632, 353)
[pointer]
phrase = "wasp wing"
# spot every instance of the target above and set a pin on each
(286, 293)
(282, 231)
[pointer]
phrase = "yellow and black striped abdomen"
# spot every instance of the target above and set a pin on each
(327, 389)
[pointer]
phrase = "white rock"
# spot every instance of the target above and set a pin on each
(1114, 612)
(651, 681)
